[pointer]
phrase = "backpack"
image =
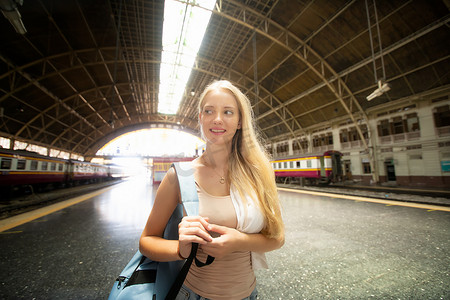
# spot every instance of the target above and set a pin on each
(143, 278)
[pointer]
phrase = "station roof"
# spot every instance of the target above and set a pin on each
(87, 71)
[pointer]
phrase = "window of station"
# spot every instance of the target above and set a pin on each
(442, 116)
(304, 144)
(323, 140)
(21, 164)
(34, 165)
(366, 168)
(5, 164)
(343, 136)
(412, 122)
(282, 148)
(384, 128)
(299, 145)
(44, 166)
(397, 125)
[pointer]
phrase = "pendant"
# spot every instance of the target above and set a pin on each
(222, 180)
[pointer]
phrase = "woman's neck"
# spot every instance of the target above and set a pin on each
(216, 157)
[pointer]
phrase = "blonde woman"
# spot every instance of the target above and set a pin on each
(239, 211)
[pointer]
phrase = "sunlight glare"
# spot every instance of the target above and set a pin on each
(153, 142)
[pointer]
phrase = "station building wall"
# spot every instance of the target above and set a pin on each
(411, 142)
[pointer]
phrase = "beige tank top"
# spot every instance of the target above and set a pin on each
(231, 277)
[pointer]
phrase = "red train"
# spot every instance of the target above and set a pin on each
(309, 169)
(19, 168)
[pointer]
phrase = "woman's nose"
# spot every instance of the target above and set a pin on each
(217, 119)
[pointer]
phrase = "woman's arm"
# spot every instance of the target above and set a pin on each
(231, 240)
(191, 229)
(151, 243)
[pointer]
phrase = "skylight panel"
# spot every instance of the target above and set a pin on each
(183, 30)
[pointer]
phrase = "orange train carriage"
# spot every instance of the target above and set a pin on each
(310, 169)
(162, 164)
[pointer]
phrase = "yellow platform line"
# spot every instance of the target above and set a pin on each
(15, 221)
(429, 207)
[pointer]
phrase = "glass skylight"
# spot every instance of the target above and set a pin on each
(183, 31)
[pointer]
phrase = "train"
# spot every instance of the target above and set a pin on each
(310, 169)
(21, 169)
(162, 164)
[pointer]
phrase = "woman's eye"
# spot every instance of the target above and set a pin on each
(208, 111)
(229, 112)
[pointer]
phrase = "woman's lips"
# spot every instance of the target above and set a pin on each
(217, 131)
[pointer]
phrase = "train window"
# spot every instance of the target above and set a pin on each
(285, 165)
(60, 167)
(21, 164)
(299, 164)
(34, 165)
(44, 166)
(6, 163)
(292, 165)
(53, 166)
(308, 163)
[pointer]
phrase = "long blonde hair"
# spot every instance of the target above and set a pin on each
(249, 166)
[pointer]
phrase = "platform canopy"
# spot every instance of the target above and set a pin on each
(77, 73)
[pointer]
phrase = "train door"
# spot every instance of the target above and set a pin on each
(336, 167)
(390, 170)
(322, 167)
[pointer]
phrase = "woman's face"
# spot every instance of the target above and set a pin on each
(219, 118)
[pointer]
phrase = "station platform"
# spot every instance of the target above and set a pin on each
(430, 195)
(335, 248)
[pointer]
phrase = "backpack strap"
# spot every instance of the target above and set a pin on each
(189, 197)
(188, 191)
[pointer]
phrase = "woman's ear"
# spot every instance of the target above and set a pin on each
(239, 125)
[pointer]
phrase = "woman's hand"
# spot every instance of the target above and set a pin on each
(227, 242)
(192, 230)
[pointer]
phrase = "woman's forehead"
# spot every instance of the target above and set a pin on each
(220, 97)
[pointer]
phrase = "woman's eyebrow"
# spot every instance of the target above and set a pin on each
(226, 107)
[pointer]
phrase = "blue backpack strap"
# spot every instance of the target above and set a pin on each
(168, 271)
(188, 190)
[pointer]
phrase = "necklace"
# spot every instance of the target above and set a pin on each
(222, 178)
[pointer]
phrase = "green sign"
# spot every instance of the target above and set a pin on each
(445, 165)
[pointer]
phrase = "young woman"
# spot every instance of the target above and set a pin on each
(239, 211)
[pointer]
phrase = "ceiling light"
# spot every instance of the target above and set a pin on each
(10, 11)
(382, 88)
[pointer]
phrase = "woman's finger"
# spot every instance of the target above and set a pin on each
(186, 232)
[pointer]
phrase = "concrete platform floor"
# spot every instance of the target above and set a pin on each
(335, 249)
